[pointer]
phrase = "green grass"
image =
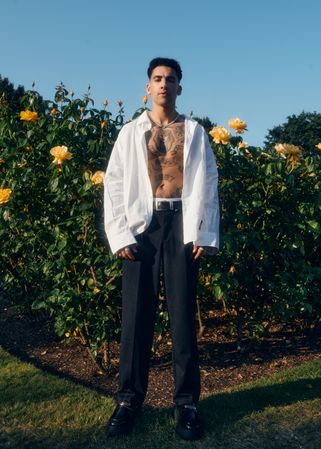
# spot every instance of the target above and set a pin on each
(39, 410)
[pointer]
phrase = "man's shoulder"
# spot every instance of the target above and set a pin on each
(193, 125)
(131, 125)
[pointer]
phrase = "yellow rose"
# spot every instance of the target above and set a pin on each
(60, 154)
(292, 153)
(103, 124)
(53, 112)
(28, 149)
(318, 146)
(5, 195)
(145, 99)
(98, 177)
(237, 124)
(287, 149)
(242, 145)
(220, 135)
(29, 116)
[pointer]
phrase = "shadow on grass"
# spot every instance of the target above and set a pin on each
(228, 407)
(155, 430)
(25, 358)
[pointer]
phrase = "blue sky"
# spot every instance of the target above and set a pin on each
(258, 60)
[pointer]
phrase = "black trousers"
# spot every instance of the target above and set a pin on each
(159, 247)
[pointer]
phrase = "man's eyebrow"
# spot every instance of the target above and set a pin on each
(169, 77)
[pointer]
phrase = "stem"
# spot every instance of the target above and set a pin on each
(93, 275)
(105, 355)
(86, 344)
(201, 326)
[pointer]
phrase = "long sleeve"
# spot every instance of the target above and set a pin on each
(209, 225)
(116, 225)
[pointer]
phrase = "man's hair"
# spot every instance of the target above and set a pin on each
(167, 62)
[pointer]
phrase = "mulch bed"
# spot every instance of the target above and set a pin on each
(32, 338)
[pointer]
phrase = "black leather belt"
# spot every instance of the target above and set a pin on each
(167, 205)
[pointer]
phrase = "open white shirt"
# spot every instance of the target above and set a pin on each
(128, 196)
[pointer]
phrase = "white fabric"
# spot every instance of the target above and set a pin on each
(128, 196)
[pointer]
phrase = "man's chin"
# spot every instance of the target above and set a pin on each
(165, 103)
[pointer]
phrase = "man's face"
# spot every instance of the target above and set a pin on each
(163, 86)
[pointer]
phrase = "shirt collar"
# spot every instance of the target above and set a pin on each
(144, 120)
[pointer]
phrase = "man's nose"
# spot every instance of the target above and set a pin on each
(164, 82)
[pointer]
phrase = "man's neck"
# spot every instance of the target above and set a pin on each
(163, 116)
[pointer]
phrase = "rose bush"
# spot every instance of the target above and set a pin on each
(54, 254)
(269, 266)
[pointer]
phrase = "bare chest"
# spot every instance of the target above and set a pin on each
(166, 143)
(165, 159)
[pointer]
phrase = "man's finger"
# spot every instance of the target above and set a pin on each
(128, 253)
(199, 252)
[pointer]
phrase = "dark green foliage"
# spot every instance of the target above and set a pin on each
(14, 99)
(10, 97)
(303, 130)
(54, 254)
(205, 122)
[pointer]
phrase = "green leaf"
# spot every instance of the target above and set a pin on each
(314, 225)
(38, 304)
(218, 292)
(62, 244)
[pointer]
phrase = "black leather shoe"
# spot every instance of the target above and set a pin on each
(188, 425)
(122, 420)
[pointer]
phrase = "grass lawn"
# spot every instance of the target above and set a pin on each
(39, 410)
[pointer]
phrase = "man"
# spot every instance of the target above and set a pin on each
(161, 213)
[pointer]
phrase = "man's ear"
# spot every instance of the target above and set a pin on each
(179, 90)
(148, 88)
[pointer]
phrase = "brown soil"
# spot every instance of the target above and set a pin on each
(33, 339)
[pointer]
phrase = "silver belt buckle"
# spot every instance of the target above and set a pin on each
(158, 205)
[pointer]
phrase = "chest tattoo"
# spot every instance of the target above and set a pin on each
(165, 147)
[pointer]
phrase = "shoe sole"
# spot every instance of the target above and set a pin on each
(117, 431)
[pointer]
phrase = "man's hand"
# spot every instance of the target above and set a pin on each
(128, 252)
(198, 251)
